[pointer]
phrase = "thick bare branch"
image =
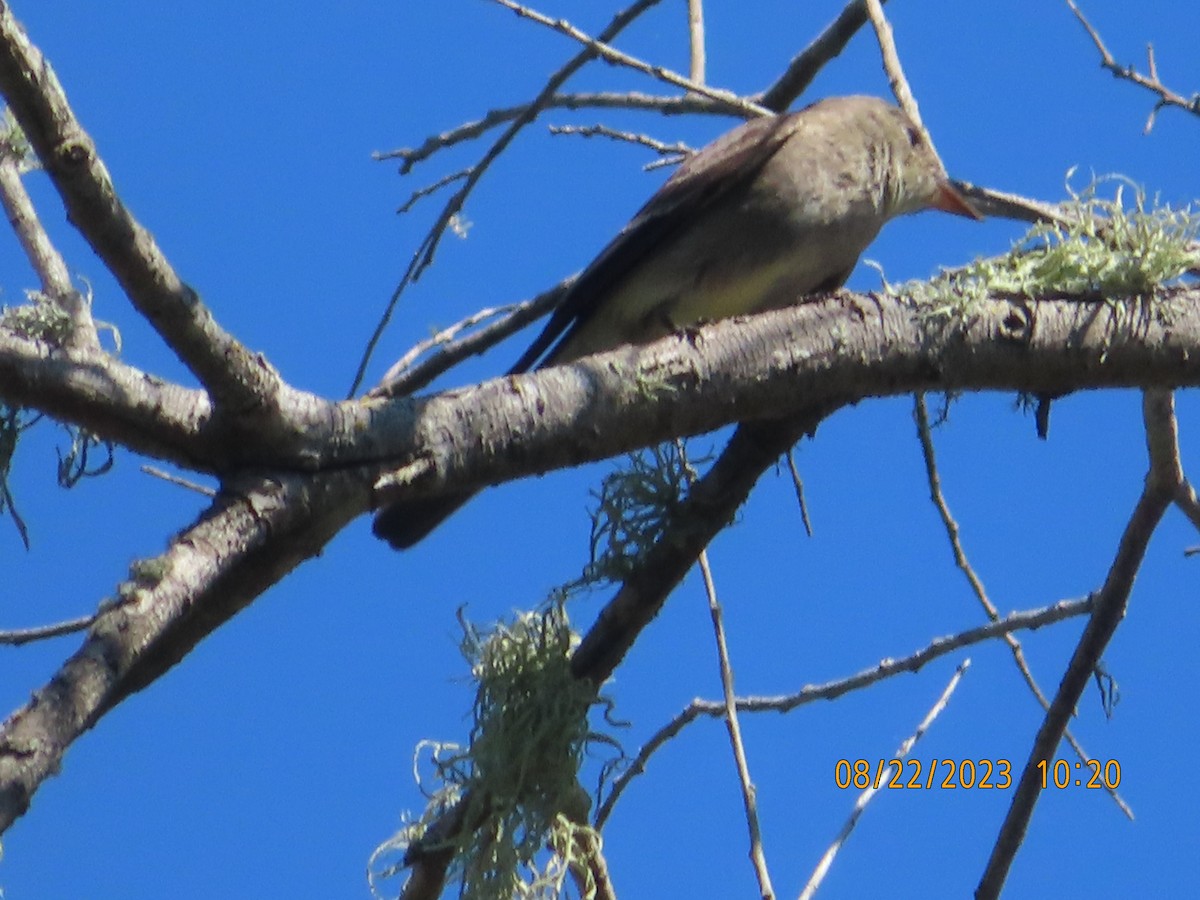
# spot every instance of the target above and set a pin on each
(119, 403)
(236, 377)
(255, 534)
(112, 400)
(828, 351)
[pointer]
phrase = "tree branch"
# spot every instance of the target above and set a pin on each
(1109, 606)
(804, 67)
(236, 377)
(47, 262)
(1151, 82)
(825, 352)
(250, 539)
(831, 690)
(423, 257)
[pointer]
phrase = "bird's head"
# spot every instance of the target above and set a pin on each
(911, 174)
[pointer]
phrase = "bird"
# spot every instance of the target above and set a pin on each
(775, 210)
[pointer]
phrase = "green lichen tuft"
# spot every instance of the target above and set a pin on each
(517, 783)
(1101, 248)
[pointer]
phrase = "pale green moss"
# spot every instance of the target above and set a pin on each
(1100, 249)
(517, 782)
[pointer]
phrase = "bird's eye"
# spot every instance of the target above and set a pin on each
(914, 136)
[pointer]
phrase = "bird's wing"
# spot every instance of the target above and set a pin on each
(702, 180)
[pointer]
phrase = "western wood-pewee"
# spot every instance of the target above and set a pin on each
(774, 210)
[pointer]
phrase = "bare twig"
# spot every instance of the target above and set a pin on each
(1187, 502)
(233, 375)
(201, 489)
(696, 41)
(18, 636)
(999, 204)
(865, 797)
(805, 66)
(798, 484)
(749, 798)
(669, 106)
(891, 62)
(424, 254)
(430, 189)
(831, 690)
(678, 149)
(407, 375)
(1151, 82)
(977, 588)
(1111, 602)
(47, 262)
(610, 54)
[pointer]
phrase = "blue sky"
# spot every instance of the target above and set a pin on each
(278, 755)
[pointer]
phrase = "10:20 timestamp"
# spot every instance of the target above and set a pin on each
(1062, 774)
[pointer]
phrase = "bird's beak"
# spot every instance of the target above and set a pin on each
(949, 200)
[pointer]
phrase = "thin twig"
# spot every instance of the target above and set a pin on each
(610, 54)
(166, 476)
(891, 62)
(749, 798)
(1166, 96)
(668, 106)
(805, 65)
(1031, 619)
(865, 797)
(47, 262)
(18, 636)
(408, 375)
(798, 484)
(977, 588)
(1002, 205)
(8, 502)
(1187, 502)
(1111, 603)
(444, 337)
(424, 254)
(696, 53)
(430, 189)
(678, 149)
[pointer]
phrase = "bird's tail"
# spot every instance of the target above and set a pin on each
(407, 523)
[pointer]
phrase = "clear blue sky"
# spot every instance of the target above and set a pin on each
(278, 755)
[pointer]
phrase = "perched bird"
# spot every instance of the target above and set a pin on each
(772, 211)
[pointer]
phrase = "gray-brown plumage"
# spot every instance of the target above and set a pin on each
(774, 210)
